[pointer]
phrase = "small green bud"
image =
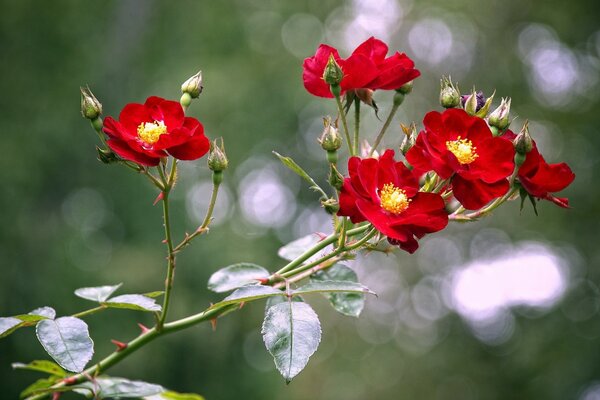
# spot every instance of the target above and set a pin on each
(406, 88)
(217, 159)
(336, 179)
(330, 139)
(523, 142)
(500, 116)
(449, 94)
(410, 137)
(333, 74)
(331, 206)
(520, 159)
(90, 106)
(471, 103)
(193, 86)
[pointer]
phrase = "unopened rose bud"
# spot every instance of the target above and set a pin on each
(483, 110)
(193, 86)
(331, 206)
(499, 118)
(90, 106)
(449, 94)
(410, 137)
(473, 102)
(333, 74)
(330, 139)
(217, 159)
(523, 142)
(406, 88)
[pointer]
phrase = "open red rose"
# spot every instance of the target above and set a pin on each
(393, 71)
(458, 146)
(540, 179)
(386, 193)
(147, 132)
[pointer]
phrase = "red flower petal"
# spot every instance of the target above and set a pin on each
(192, 149)
(313, 69)
(122, 149)
(474, 194)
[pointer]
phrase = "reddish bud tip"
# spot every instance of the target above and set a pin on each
(143, 328)
(120, 345)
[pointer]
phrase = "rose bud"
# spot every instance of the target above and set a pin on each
(449, 94)
(406, 88)
(193, 86)
(523, 144)
(90, 106)
(499, 118)
(333, 74)
(217, 159)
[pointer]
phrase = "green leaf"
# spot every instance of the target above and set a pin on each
(45, 366)
(133, 302)
(8, 325)
(291, 164)
(295, 249)
(350, 304)
(38, 386)
(107, 388)
(332, 286)
(291, 332)
(236, 275)
(155, 294)
(249, 293)
(67, 341)
(98, 293)
(271, 301)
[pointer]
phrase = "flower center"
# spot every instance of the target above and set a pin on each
(149, 132)
(393, 199)
(463, 149)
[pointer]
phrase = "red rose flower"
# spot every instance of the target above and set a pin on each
(540, 179)
(458, 146)
(393, 71)
(386, 193)
(147, 132)
(358, 71)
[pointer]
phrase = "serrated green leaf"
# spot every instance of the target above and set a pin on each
(332, 286)
(350, 304)
(271, 301)
(67, 341)
(45, 366)
(249, 293)
(291, 332)
(38, 386)
(8, 325)
(97, 293)
(296, 248)
(291, 164)
(133, 302)
(235, 276)
(121, 388)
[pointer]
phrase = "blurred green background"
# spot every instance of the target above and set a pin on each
(503, 308)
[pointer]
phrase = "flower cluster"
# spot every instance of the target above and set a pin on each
(366, 68)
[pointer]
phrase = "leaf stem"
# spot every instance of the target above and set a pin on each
(384, 128)
(89, 312)
(342, 114)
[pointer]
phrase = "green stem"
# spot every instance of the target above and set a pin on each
(356, 124)
(342, 114)
(384, 128)
(477, 214)
(88, 312)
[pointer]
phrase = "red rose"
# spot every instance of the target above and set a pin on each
(358, 71)
(393, 71)
(147, 132)
(458, 146)
(540, 179)
(386, 193)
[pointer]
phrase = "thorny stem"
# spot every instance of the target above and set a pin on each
(384, 128)
(208, 314)
(338, 101)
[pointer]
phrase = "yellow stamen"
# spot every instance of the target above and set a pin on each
(393, 199)
(463, 149)
(150, 132)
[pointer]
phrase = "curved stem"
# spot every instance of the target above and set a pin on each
(342, 114)
(384, 128)
(356, 124)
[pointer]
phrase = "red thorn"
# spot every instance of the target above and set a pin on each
(164, 240)
(143, 328)
(321, 235)
(69, 380)
(213, 322)
(242, 305)
(120, 345)
(263, 281)
(56, 395)
(160, 196)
